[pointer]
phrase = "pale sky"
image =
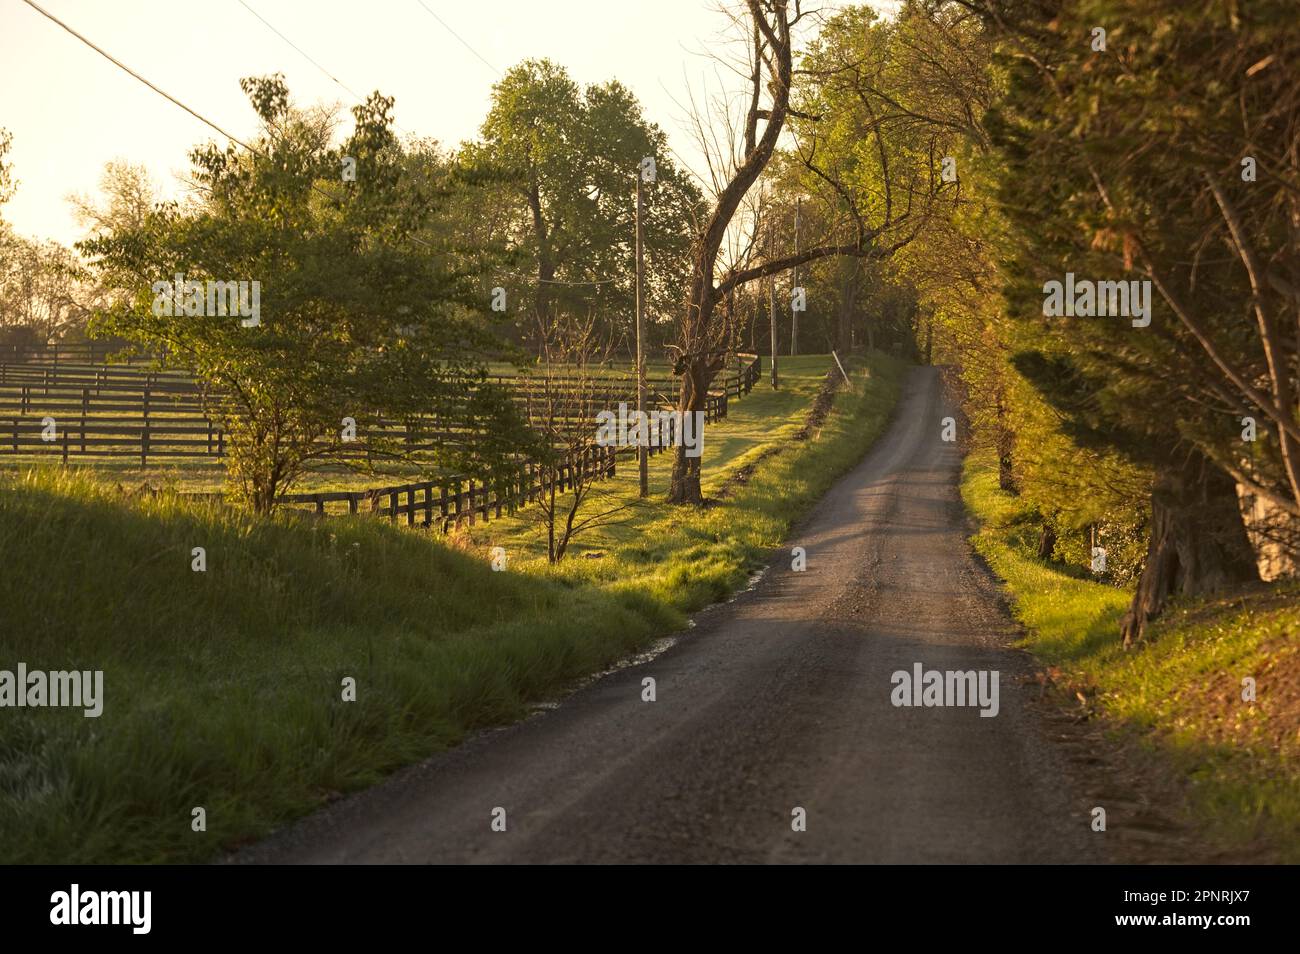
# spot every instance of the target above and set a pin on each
(70, 110)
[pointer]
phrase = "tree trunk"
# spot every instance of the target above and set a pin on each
(550, 518)
(1197, 545)
(702, 343)
(848, 300)
(1006, 442)
(545, 267)
(685, 486)
(1047, 542)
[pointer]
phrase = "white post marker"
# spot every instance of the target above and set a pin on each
(842, 371)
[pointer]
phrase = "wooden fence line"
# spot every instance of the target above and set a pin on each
(461, 499)
(455, 499)
(91, 351)
(175, 436)
(111, 378)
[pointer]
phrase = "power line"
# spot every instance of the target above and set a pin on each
(339, 83)
(459, 37)
(203, 119)
(304, 54)
(118, 63)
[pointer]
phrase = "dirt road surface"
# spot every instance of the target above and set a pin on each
(777, 701)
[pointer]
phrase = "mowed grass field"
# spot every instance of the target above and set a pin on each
(1180, 692)
(224, 689)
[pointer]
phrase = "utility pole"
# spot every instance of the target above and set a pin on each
(642, 452)
(794, 315)
(771, 296)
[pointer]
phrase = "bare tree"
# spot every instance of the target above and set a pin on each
(738, 153)
(573, 494)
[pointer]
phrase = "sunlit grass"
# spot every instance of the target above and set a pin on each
(686, 557)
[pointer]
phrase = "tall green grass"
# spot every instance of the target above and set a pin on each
(223, 689)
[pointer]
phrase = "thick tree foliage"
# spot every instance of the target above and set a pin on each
(1129, 163)
(361, 316)
(561, 163)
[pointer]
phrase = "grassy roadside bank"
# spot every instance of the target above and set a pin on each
(687, 558)
(1181, 694)
(223, 689)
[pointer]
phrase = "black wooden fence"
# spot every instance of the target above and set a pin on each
(452, 500)
(133, 413)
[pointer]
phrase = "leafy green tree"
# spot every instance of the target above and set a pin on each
(358, 318)
(1125, 163)
(43, 293)
(42, 289)
(565, 161)
(912, 93)
(127, 195)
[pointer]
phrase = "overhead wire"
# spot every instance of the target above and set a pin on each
(254, 150)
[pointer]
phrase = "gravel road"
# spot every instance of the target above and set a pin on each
(778, 700)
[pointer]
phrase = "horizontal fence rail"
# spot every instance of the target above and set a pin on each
(449, 501)
(90, 352)
(91, 373)
(111, 412)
